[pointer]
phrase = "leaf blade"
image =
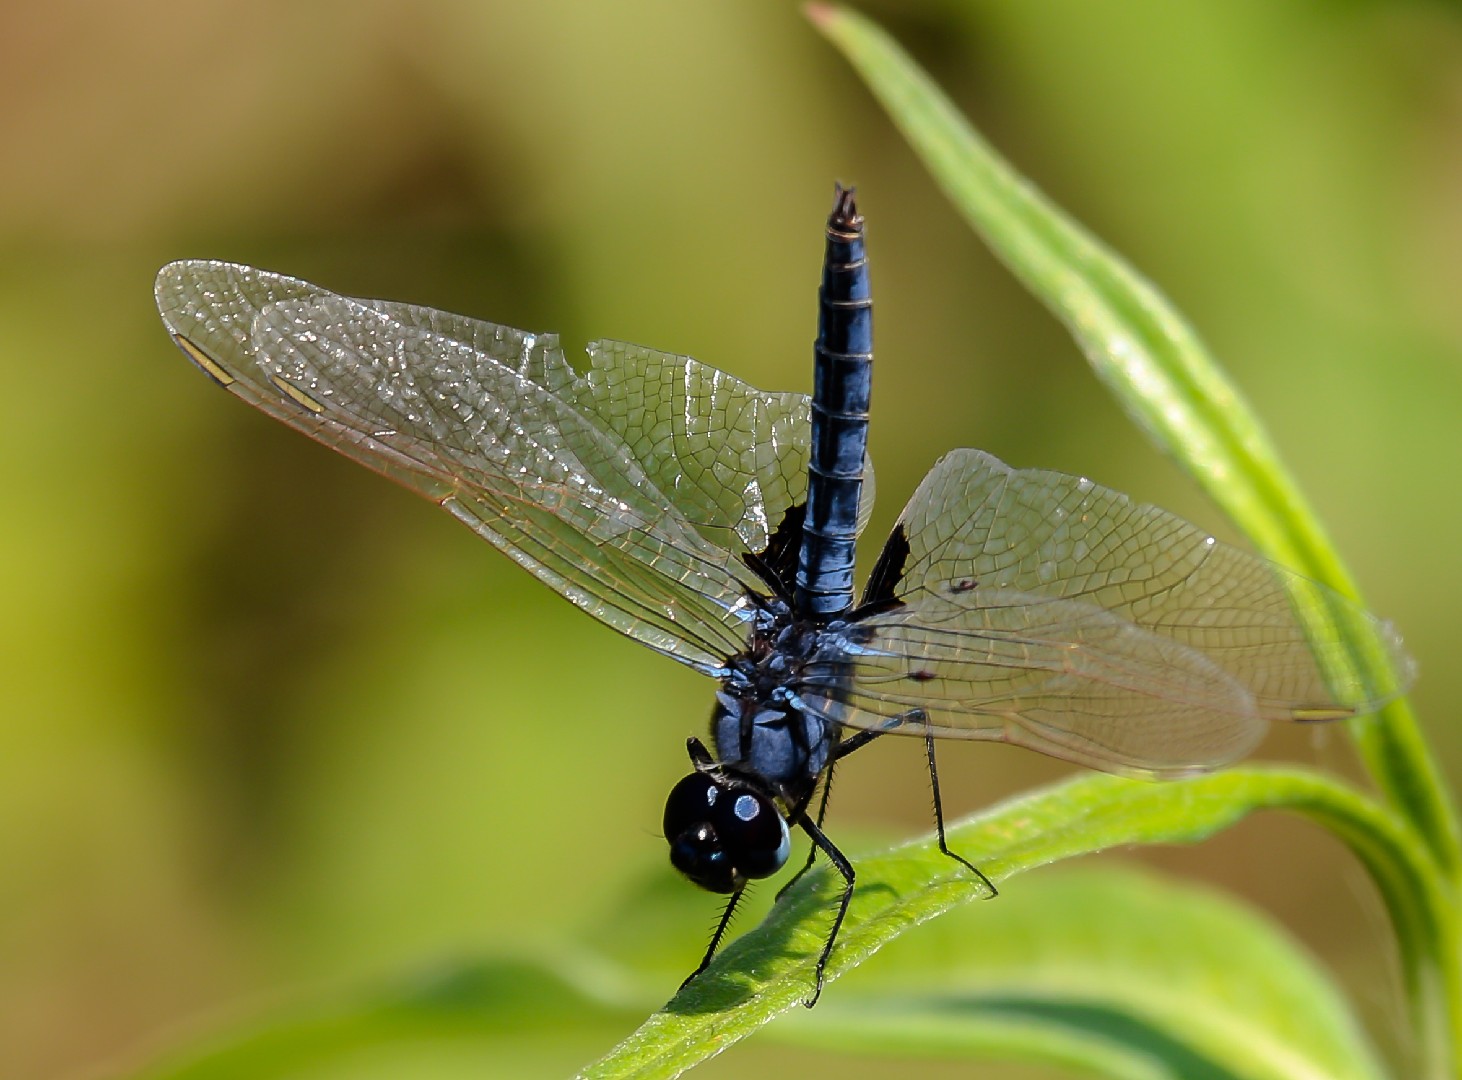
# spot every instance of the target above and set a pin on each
(1114, 959)
(769, 970)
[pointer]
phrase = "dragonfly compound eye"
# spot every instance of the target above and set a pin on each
(721, 834)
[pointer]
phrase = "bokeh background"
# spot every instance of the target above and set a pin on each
(270, 725)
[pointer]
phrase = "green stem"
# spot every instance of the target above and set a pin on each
(1422, 909)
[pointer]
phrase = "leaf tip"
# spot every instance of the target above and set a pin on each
(819, 14)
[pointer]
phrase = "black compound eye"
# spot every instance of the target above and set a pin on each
(696, 849)
(691, 801)
(755, 832)
(722, 833)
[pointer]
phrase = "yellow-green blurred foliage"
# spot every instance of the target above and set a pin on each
(270, 723)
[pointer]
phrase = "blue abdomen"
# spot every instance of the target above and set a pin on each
(842, 379)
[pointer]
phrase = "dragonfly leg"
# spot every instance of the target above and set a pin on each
(843, 866)
(844, 748)
(862, 738)
(827, 787)
(717, 936)
(939, 815)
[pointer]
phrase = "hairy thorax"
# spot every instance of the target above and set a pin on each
(758, 723)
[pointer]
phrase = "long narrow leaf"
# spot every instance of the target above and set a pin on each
(1107, 971)
(769, 970)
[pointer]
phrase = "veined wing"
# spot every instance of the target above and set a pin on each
(733, 458)
(493, 425)
(1041, 609)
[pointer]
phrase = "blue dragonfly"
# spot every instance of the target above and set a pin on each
(717, 524)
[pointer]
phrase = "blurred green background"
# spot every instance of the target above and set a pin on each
(270, 724)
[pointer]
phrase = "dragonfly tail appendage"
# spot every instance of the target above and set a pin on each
(842, 377)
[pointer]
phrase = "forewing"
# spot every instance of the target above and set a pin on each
(1043, 609)
(731, 457)
(450, 408)
(734, 457)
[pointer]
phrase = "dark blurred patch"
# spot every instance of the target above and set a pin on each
(281, 588)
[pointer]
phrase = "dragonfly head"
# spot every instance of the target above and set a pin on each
(723, 832)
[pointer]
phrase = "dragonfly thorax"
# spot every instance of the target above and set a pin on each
(727, 821)
(757, 723)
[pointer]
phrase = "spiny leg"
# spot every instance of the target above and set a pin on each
(939, 809)
(716, 937)
(827, 786)
(844, 748)
(862, 738)
(844, 867)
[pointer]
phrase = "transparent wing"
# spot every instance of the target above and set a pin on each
(493, 425)
(1041, 609)
(734, 458)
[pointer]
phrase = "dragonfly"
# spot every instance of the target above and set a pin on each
(718, 524)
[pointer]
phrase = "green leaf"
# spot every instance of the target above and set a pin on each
(770, 969)
(1114, 972)
(1159, 370)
